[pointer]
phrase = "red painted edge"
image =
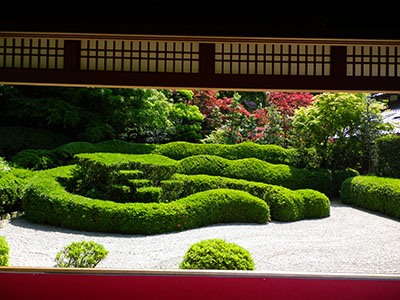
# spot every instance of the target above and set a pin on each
(59, 286)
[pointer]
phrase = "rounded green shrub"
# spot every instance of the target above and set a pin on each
(81, 255)
(4, 252)
(379, 194)
(285, 204)
(216, 254)
(316, 204)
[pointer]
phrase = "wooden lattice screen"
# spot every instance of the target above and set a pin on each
(199, 62)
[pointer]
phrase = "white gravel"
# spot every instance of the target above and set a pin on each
(349, 241)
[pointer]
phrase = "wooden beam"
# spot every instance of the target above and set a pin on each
(199, 38)
(292, 63)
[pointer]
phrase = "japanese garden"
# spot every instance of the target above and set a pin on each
(146, 162)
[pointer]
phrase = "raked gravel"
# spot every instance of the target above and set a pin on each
(349, 241)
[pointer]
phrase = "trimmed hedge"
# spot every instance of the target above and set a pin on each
(101, 171)
(373, 193)
(270, 153)
(47, 201)
(285, 204)
(45, 159)
(252, 169)
(387, 162)
(98, 168)
(216, 254)
(4, 252)
(62, 155)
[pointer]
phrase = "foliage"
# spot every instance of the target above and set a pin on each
(387, 161)
(90, 114)
(84, 254)
(216, 254)
(287, 104)
(4, 252)
(241, 125)
(373, 193)
(266, 123)
(148, 117)
(340, 126)
(206, 102)
(187, 121)
(250, 100)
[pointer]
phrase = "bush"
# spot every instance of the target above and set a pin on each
(216, 254)
(269, 153)
(373, 193)
(81, 255)
(387, 162)
(187, 121)
(316, 204)
(11, 190)
(4, 252)
(285, 204)
(341, 126)
(47, 201)
(252, 169)
(34, 159)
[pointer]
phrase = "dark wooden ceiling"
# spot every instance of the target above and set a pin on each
(321, 21)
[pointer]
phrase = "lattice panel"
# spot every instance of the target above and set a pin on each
(379, 61)
(272, 59)
(31, 53)
(140, 56)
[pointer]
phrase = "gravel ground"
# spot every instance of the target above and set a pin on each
(349, 241)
